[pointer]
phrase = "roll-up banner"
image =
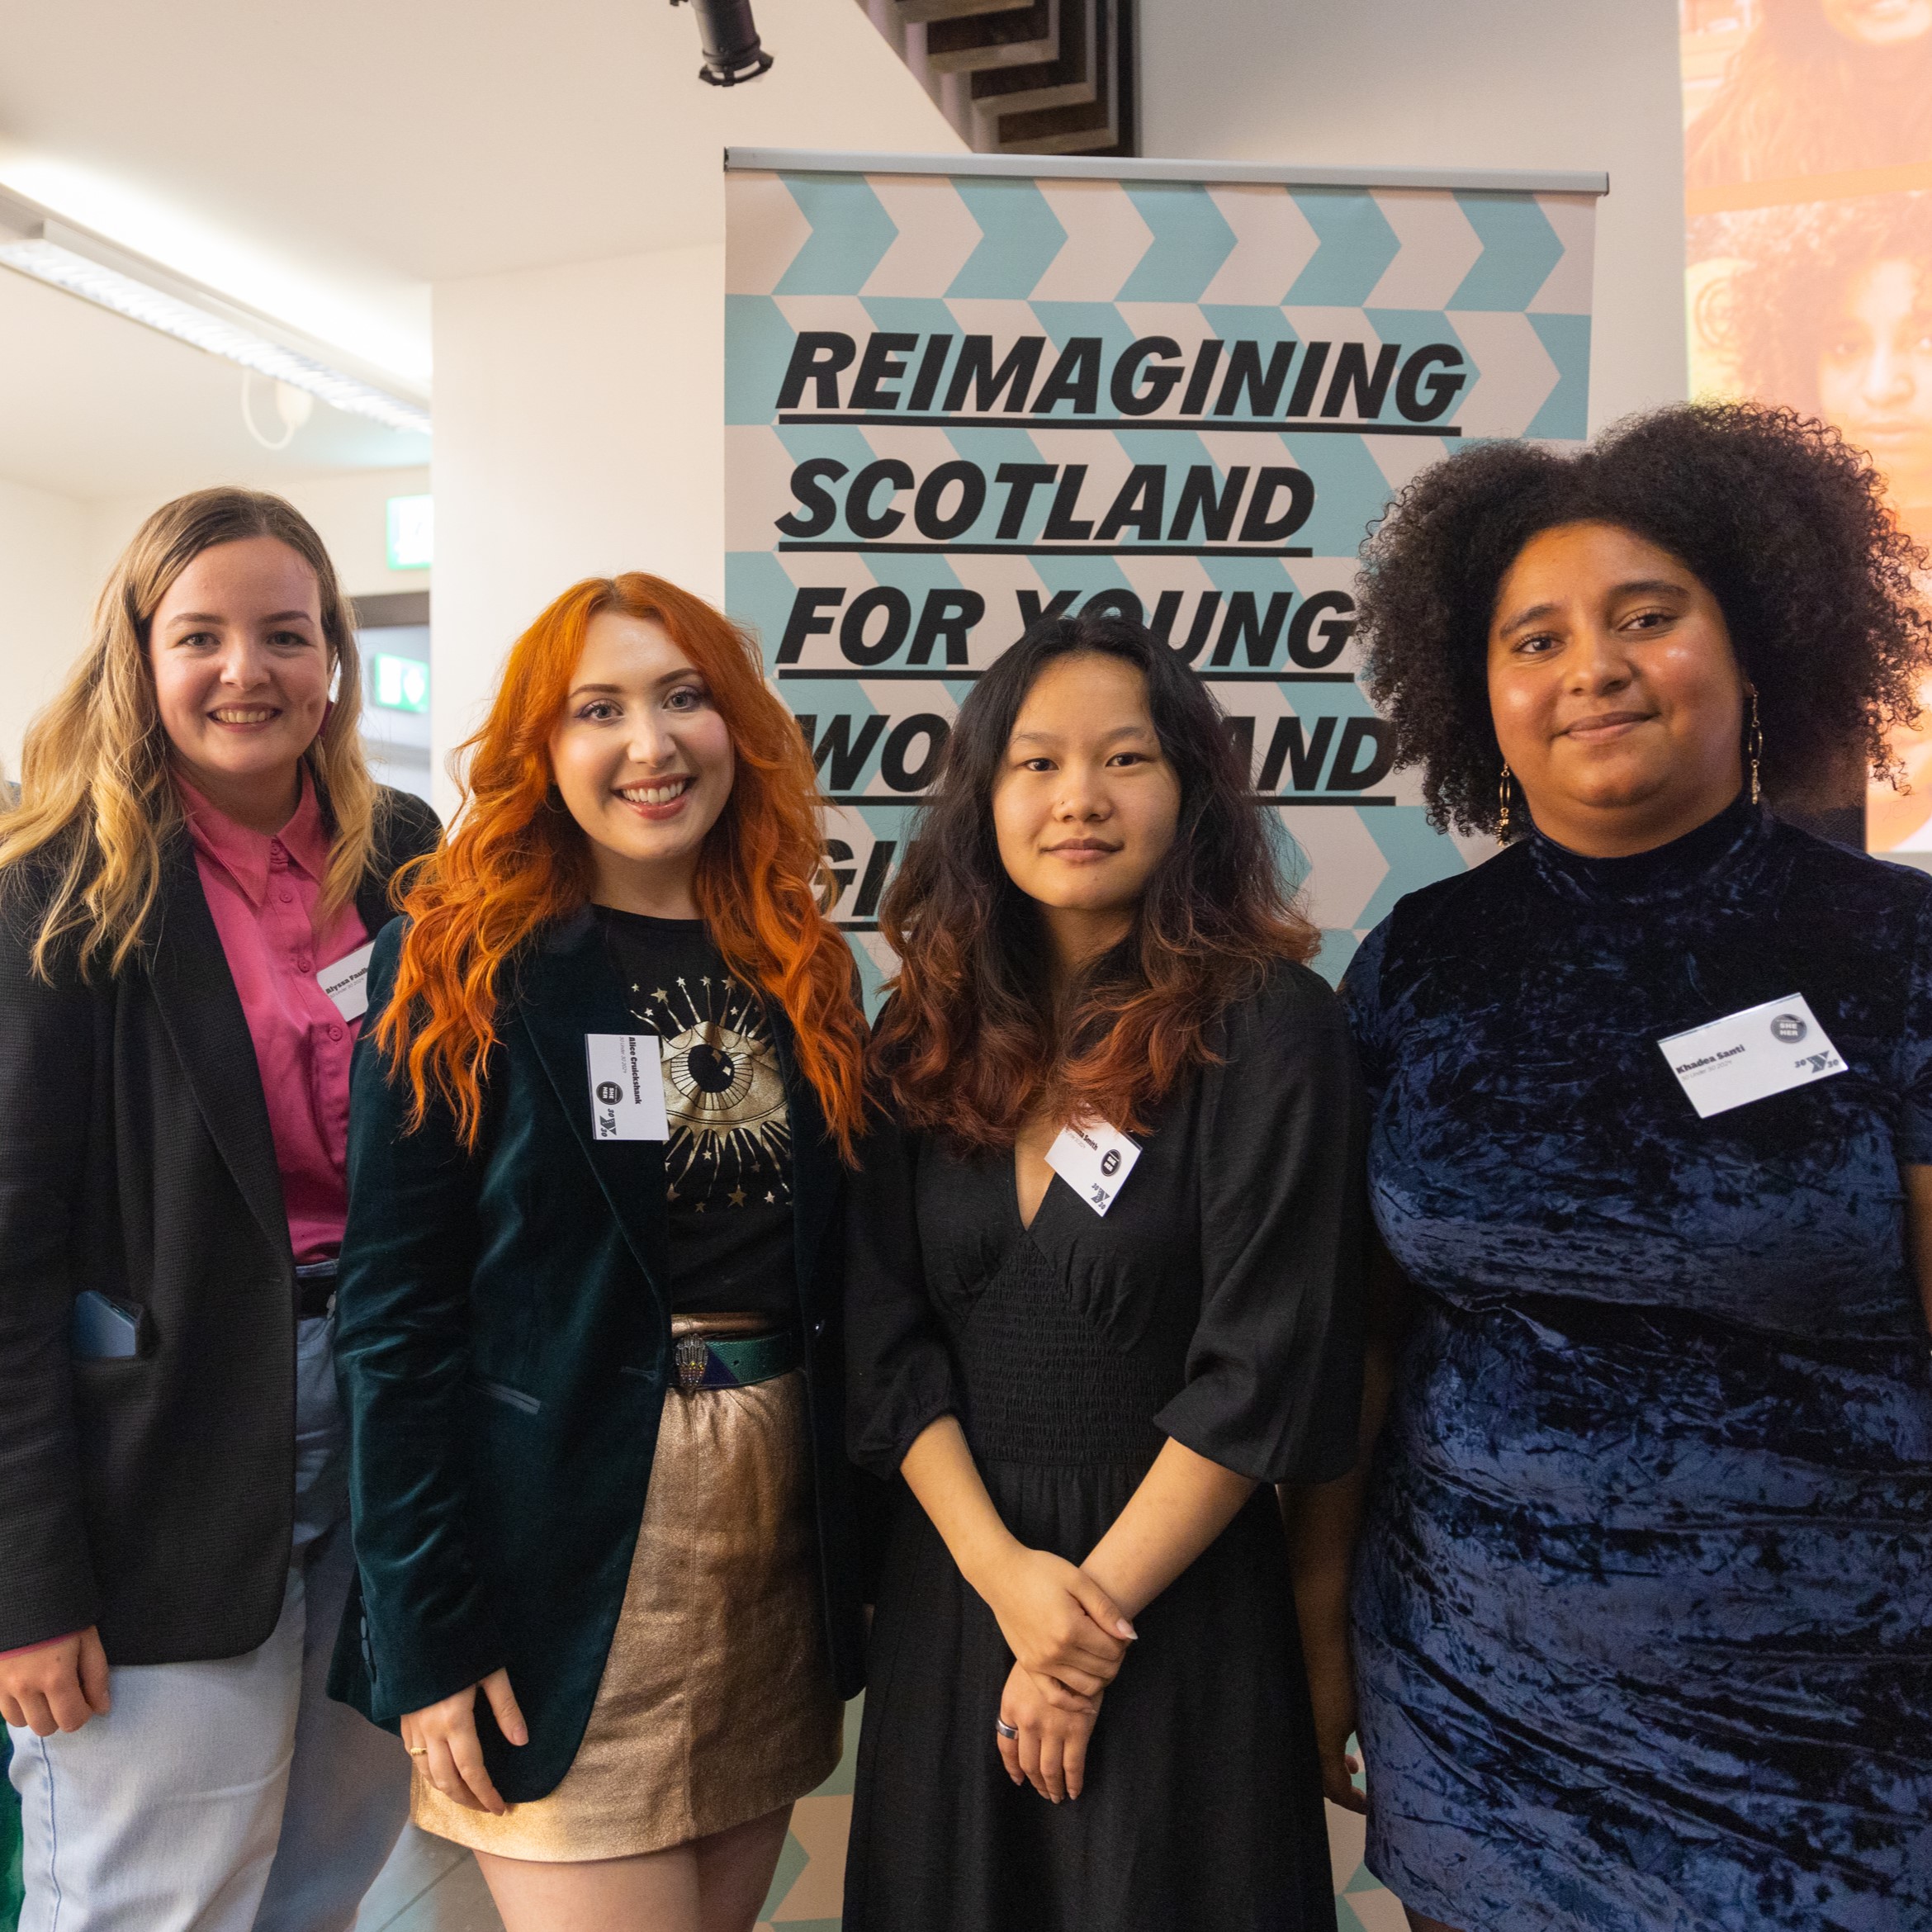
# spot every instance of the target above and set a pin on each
(965, 392)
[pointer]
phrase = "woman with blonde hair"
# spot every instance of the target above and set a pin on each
(188, 885)
(591, 1286)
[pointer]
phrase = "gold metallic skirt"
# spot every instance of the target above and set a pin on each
(717, 1703)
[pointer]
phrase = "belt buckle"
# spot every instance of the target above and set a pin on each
(693, 1358)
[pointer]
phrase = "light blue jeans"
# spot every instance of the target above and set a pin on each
(227, 1796)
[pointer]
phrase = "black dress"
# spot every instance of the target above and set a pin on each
(1216, 1302)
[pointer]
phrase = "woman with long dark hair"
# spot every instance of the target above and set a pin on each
(1818, 87)
(590, 1333)
(1103, 1261)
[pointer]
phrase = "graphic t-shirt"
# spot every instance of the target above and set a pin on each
(728, 1162)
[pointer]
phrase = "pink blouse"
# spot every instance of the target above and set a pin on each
(263, 892)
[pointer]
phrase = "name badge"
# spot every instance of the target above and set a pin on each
(1094, 1161)
(627, 1089)
(347, 982)
(1751, 1055)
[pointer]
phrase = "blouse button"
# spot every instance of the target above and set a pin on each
(304, 964)
(288, 898)
(334, 1031)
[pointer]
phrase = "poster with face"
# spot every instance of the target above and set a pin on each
(1808, 158)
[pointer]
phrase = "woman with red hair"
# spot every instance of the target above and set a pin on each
(590, 1296)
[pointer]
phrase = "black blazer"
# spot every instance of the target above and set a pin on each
(154, 1494)
(504, 1341)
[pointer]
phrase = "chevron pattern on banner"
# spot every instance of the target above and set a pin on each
(956, 403)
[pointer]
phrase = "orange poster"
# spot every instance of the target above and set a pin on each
(1808, 170)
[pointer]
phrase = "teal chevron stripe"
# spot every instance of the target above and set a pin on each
(908, 315)
(1565, 411)
(1351, 491)
(1417, 856)
(1191, 240)
(1339, 946)
(1020, 236)
(1519, 249)
(1357, 245)
(850, 232)
(1251, 322)
(758, 344)
(1057, 320)
(757, 594)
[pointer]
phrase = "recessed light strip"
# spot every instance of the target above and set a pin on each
(83, 265)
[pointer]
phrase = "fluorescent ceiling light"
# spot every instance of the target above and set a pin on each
(37, 243)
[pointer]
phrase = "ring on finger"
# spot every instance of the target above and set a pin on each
(1005, 1729)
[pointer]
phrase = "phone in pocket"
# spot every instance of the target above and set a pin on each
(104, 1329)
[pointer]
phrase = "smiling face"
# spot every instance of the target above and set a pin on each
(644, 762)
(1879, 23)
(242, 669)
(1875, 374)
(1086, 802)
(1617, 699)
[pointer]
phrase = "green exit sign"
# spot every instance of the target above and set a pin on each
(412, 531)
(402, 684)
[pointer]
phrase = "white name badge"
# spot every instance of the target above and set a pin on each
(627, 1090)
(347, 982)
(1751, 1055)
(1094, 1161)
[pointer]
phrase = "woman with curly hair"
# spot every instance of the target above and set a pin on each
(1832, 314)
(1104, 1262)
(1643, 1602)
(590, 1295)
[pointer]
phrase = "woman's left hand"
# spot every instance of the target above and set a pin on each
(1050, 1752)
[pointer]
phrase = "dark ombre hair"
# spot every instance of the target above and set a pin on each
(972, 1041)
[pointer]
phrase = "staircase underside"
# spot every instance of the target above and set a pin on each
(1027, 76)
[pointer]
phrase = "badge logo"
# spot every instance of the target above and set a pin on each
(1110, 1161)
(609, 1092)
(1788, 1028)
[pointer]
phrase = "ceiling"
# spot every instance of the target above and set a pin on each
(327, 163)
(92, 406)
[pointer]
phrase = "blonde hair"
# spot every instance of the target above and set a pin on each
(96, 797)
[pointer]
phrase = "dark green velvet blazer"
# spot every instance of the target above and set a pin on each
(504, 1341)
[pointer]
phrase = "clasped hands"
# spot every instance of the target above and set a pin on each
(1068, 1638)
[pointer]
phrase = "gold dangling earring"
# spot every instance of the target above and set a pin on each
(1756, 742)
(1503, 806)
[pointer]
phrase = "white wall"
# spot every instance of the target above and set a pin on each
(350, 510)
(579, 415)
(1493, 83)
(44, 597)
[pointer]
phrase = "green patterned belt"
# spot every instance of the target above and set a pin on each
(706, 1362)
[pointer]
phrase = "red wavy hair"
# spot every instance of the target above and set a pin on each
(515, 864)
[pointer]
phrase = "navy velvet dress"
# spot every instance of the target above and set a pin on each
(1644, 1607)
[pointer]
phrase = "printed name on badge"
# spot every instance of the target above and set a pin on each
(1751, 1055)
(1094, 1161)
(627, 1087)
(347, 981)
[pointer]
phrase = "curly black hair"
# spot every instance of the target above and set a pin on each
(1782, 522)
(1796, 264)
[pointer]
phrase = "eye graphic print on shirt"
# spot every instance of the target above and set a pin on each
(730, 1143)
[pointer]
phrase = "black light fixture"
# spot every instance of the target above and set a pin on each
(729, 37)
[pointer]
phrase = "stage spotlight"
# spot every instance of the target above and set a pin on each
(729, 37)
